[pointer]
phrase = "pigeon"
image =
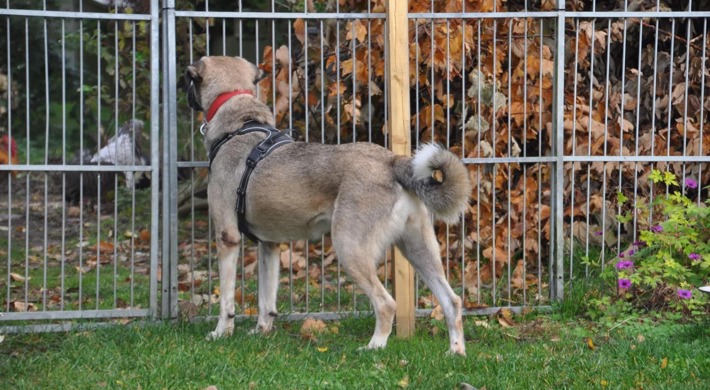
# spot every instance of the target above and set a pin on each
(124, 149)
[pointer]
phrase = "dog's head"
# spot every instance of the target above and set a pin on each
(212, 76)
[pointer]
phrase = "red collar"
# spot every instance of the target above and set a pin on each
(221, 99)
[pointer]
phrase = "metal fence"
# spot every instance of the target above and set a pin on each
(560, 113)
(79, 236)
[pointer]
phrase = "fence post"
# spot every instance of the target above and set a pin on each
(154, 151)
(558, 181)
(169, 232)
(398, 80)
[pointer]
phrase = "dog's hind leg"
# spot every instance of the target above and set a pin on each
(418, 244)
(358, 258)
(364, 274)
(268, 286)
(227, 252)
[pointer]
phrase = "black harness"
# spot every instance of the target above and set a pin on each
(274, 139)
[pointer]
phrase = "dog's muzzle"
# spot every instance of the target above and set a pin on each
(192, 100)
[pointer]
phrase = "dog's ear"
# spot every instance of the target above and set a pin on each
(193, 78)
(192, 74)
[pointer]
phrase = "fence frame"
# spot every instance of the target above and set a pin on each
(162, 19)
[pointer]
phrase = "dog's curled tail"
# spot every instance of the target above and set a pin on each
(439, 179)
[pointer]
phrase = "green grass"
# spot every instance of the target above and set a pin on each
(118, 287)
(538, 353)
(85, 283)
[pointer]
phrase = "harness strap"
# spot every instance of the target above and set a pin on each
(273, 140)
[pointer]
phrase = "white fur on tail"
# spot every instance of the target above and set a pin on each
(444, 194)
(421, 163)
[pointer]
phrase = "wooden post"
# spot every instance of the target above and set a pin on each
(398, 70)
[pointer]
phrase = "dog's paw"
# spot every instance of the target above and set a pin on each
(374, 345)
(459, 350)
(368, 347)
(212, 336)
(217, 334)
(261, 330)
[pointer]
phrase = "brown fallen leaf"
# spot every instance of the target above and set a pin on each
(22, 306)
(299, 29)
(505, 318)
(73, 212)
(664, 363)
(438, 313)
(187, 286)
(474, 305)
(102, 246)
(311, 327)
(18, 278)
(187, 309)
(249, 269)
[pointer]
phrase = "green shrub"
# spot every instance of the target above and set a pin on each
(662, 271)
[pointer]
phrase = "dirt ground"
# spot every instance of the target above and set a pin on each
(34, 205)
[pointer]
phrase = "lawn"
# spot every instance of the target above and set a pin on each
(537, 352)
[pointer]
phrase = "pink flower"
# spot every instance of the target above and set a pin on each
(624, 265)
(685, 294)
(694, 257)
(624, 284)
(690, 183)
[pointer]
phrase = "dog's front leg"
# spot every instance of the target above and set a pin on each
(268, 286)
(227, 252)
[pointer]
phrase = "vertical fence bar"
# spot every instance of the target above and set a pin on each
(154, 152)
(397, 64)
(558, 152)
(169, 232)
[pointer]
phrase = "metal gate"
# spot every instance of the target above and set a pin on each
(80, 127)
(545, 103)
